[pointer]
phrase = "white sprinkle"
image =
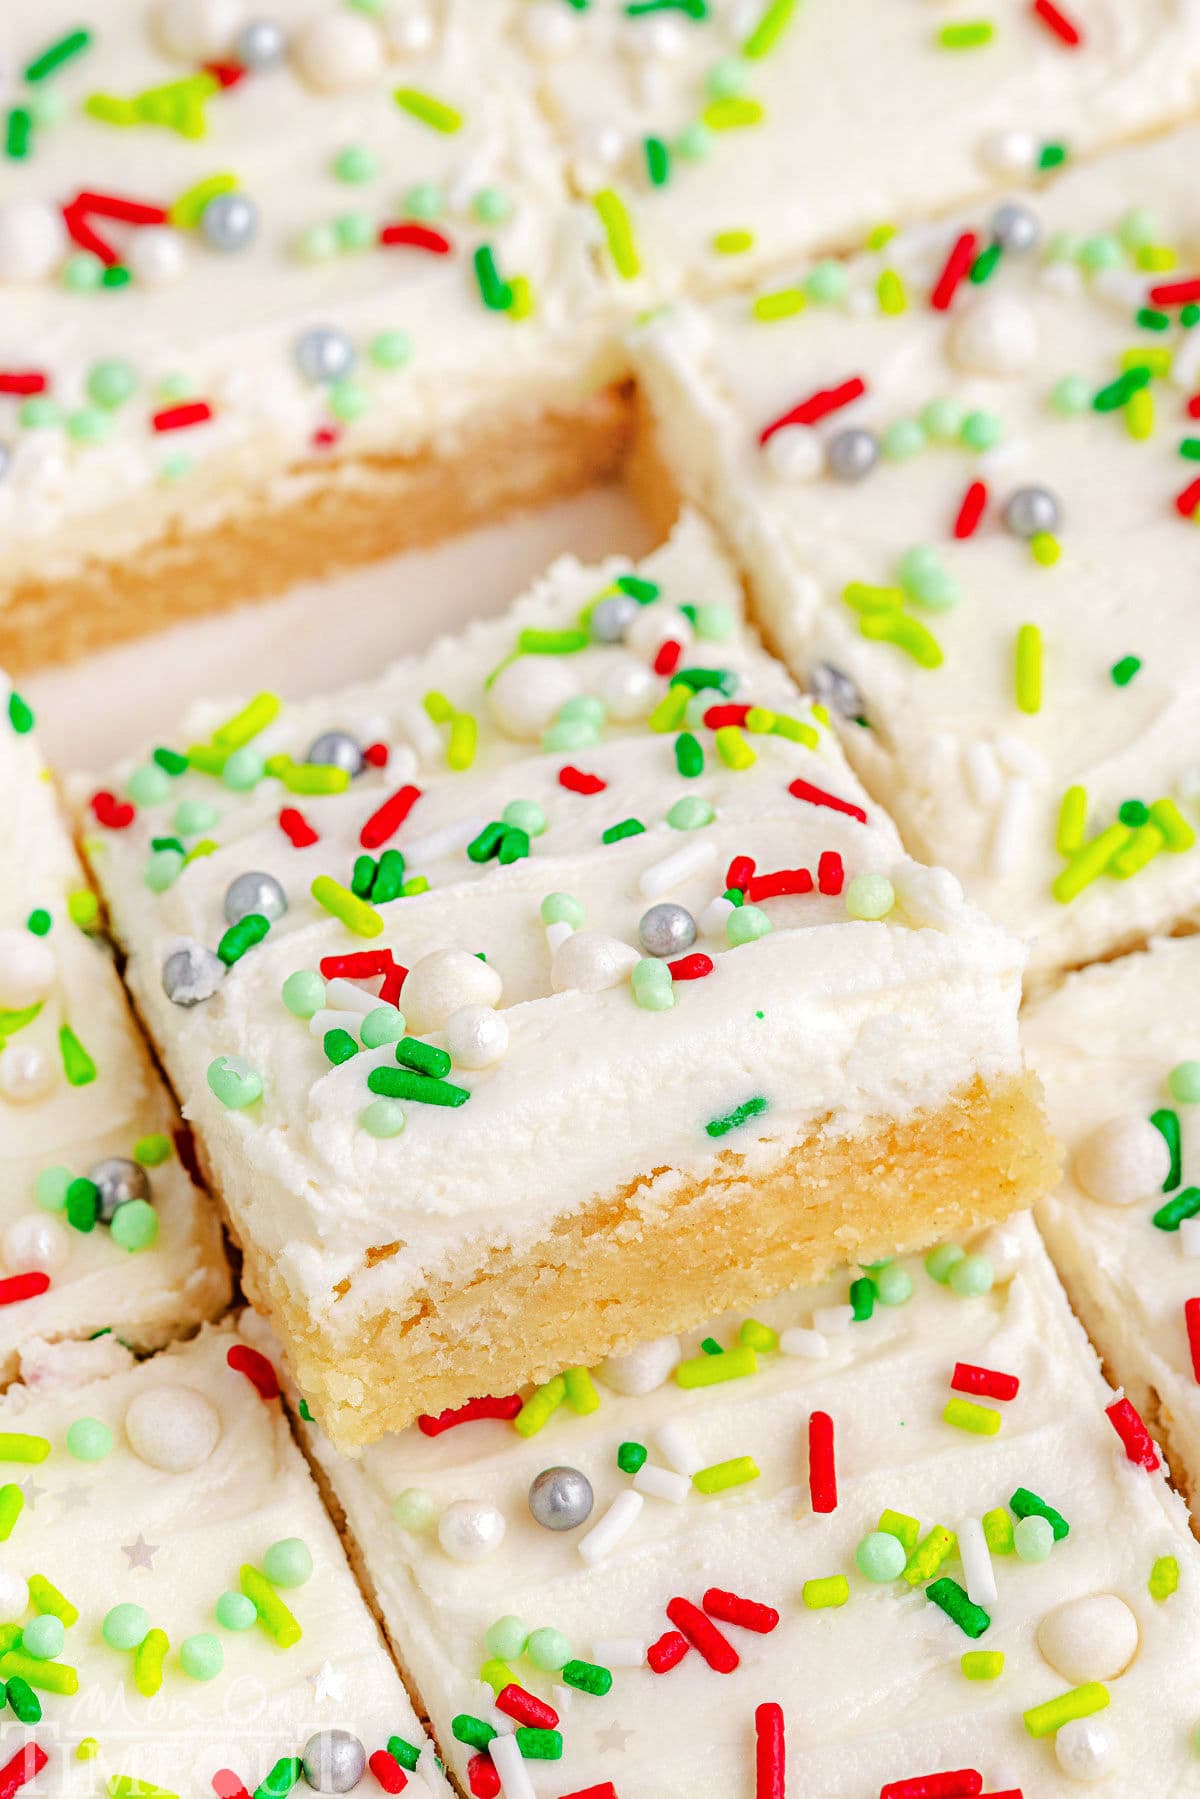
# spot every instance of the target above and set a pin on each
(619, 1652)
(451, 837)
(604, 1537)
(510, 1765)
(1009, 835)
(983, 773)
(557, 933)
(348, 996)
(563, 1699)
(1018, 757)
(1189, 1236)
(1001, 457)
(693, 859)
(678, 1445)
(1121, 287)
(419, 728)
(712, 919)
(833, 1320)
(1062, 278)
(810, 1344)
(1185, 364)
(976, 1562)
(660, 1483)
(320, 1022)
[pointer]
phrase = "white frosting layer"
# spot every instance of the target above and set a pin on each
(973, 780)
(1104, 1044)
(46, 1122)
(124, 1530)
(872, 1691)
(593, 1088)
(865, 117)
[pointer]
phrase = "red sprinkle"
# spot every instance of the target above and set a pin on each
(386, 821)
(116, 206)
(1187, 501)
(516, 1703)
(1191, 1317)
(667, 1653)
(1063, 28)
(971, 510)
(23, 1286)
(783, 880)
(325, 436)
(816, 796)
(483, 1777)
(969, 1378)
(296, 828)
(822, 1470)
(718, 716)
(1193, 407)
(358, 965)
(960, 1783)
(227, 1785)
(1126, 1420)
(703, 1635)
(770, 1778)
(255, 1366)
(740, 873)
(962, 255)
(691, 968)
(817, 406)
(831, 876)
(488, 1406)
(575, 780)
(227, 73)
(667, 660)
(387, 1771)
(410, 236)
(376, 755)
(606, 1790)
(391, 985)
(22, 381)
(731, 1608)
(1176, 293)
(112, 813)
(25, 1765)
(182, 417)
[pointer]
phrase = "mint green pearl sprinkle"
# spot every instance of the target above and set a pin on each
(44, 1637)
(826, 282)
(893, 1285)
(175, 466)
(176, 386)
(89, 1440)
(1183, 1083)
(694, 143)
(415, 1510)
(507, 1637)
(50, 1188)
(971, 1277)
(134, 1225)
(745, 924)
(201, 1656)
(715, 622)
(111, 383)
(125, 1626)
(89, 426)
(1033, 1538)
(243, 770)
(940, 1261)
(491, 206)
(382, 1118)
(980, 430)
(148, 785)
(570, 734)
(424, 201)
(355, 164)
(1100, 252)
(194, 816)
(82, 273)
(236, 1612)
(1064, 246)
(47, 105)
(697, 706)
(1139, 226)
(316, 243)
(690, 814)
(726, 79)
(925, 580)
(1071, 396)
(586, 706)
(653, 988)
(234, 1082)
(942, 420)
(869, 897)
(548, 1649)
(303, 993)
(288, 1563)
(38, 412)
(354, 231)
(902, 440)
(391, 349)
(526, 815)
(562, 908)
(880, 1557)
(163, 869)
(383, 1025)
(347, 400)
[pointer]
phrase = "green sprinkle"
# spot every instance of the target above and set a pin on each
(539, 1745)
(20, 714)
(950, 1598)
(720, 1476)
(437, 114)
(426, 1058)
(83, 1204)
(986, 263)
(495, 292)
(631, 1457)
(403, 1083)
(552, 643)
(1164, 1578)
(628, 827)
(689, 756)
(404, 1752)
(739, 1115)
(862, 1298)
(588, 1677)
(22, 1699)
(242, 936)
(1185, 1204)
(339, 1046)
(286, 1774)
(1027, 1505)
(658, 161)
(1116, 393)
(1166, 1123)
(710, 1371)
(821, 1595)
(971, 35)
(390, 349)
(1051, 156)
(610, 209)
(52, 58)
(78, 1066)
(1122, 672)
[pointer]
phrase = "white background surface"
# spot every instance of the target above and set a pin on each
(319, 636)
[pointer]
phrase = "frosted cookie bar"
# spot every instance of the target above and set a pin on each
(101, 1224)
(176, 1610)
(1114, 1045)
(961, 483)
(489, 984)
(893, 1536)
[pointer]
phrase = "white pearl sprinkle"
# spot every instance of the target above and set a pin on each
(337, 52)
(470, 1529)
(172, 1428)
(443, 982)
(1122, 1161)
(476, 1036)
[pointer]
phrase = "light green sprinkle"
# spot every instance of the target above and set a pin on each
(234, 1082)
(831, 1590)
(880, 1557)
(382, 1118)
(437, 114)
(610, 210)
(870, 897)
(720, 1476)
(746, 924)
(1164, 1578)
(1047, 1719)
(653, 988)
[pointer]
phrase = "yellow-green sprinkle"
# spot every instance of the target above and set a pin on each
(622, 247)
(437, 114)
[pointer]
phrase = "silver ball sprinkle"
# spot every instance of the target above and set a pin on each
(323, 354)
(834, 688)
(336, 749)
(334, 1761)
(119, 1181)
(612, 617)
(850, 455)
(560, 1498)
(667, 929)
(262, 44)
(1030, 510)
(1015, 228)
(191, 974)
(254, 891)
(5, 459)
(230, 222)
